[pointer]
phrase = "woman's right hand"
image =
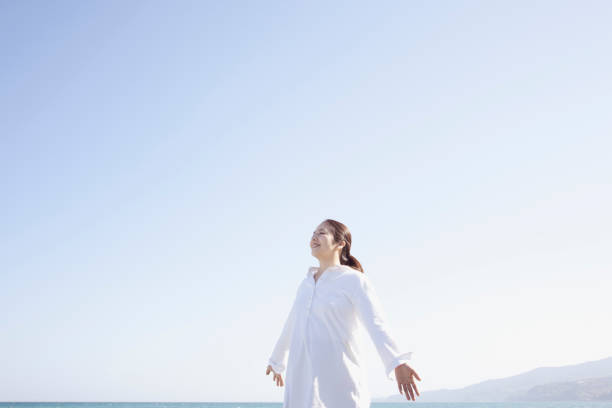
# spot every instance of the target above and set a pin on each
(276, 377)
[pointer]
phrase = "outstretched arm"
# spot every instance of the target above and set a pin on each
(371, 314)
(280, 354)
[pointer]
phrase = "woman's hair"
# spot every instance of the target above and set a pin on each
(342, 233)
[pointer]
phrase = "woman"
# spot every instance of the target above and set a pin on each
(318, 344)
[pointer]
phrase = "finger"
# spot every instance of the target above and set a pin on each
(282, 382)
(411, 392)
(415, 388)
(416, 375)
(406, 393)
(399, 387)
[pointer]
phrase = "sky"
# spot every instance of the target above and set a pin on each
(163, 166)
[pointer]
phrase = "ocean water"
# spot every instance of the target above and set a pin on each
(577, 404)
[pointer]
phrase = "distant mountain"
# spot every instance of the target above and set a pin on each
(579, 382)
(589, 389)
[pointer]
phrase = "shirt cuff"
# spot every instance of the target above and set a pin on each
(402, 358)
(278, 368)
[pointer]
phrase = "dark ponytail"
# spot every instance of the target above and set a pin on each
(342, 233)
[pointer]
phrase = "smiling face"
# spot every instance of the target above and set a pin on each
(322, 244)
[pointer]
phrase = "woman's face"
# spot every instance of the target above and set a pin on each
(322, 242)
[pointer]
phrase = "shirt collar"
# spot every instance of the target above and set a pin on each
(314, 269)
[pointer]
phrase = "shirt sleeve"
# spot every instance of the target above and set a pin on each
(280, 354)
(372, 316)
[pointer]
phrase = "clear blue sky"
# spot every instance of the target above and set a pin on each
(163, 165)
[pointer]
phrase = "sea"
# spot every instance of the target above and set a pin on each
(577, 404)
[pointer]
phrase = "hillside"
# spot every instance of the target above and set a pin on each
(579, 382)
(589, 389)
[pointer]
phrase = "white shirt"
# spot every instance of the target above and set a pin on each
(319, 343)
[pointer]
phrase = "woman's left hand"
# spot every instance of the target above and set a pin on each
(404, 374)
